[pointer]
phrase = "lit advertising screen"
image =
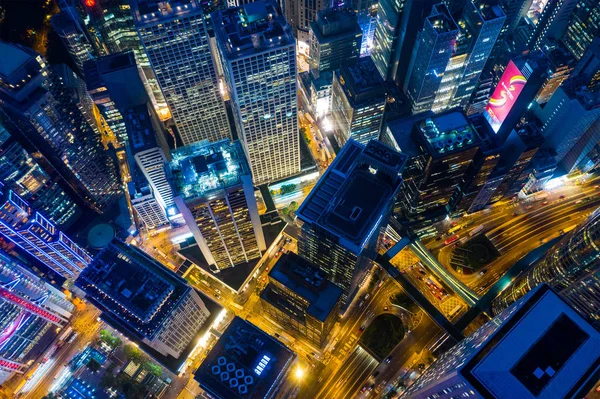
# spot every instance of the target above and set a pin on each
(505, 95)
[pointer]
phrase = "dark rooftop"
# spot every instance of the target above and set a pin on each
(447, 133)
(441, 20)
(245, 363)
(363, 82)
(306, 280)
(132, 286)
(338, 202)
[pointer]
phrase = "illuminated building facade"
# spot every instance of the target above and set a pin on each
(259, 62)
(72, 32)
(214, 192)
(560, 66)
(358, 99)
(335, 39)
(342, 225)
(301, 13)
(300, 297)
(29, 309)
(430, 58)
(552, 22)
(583, 27)
(149, 302)
(22, 173)
(38, 106)
(33, 233)
(386, 49)
(539, 347)
(176, 41)
(366, 10)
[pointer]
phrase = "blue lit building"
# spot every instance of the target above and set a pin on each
(24, 175)
(386, 46)
(245, 363)
(341, 224)
(142, 299)
(44, 107)
(214, 192)
(30, 309)
(35, 234)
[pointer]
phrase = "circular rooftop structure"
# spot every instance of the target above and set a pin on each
(100, 235)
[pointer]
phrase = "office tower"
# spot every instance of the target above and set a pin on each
(30, 311)
(300, 297)
(430, 58)
(74, 36)
(245, 363)
(358, 98)
(259, 62)
(32, 232)
(176, 41)
(37, 107)
(387, 38)
(300, 13)
(483, 176)
(521, 81)
(587, 69)
(143, 201)
(342, 225)
(214, 193)
(583, 27)
(538, 348)
(570, 267)
(566, 118)
(142, 299)
(335, 39)
(24, 175)
(549, 21)
(515, 11)
(366, 10)
(560, 66)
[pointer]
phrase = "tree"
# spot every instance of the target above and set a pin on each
(133, 354)
(287, 188)
(293, 207)
(110, 339)
(153, 368)
(404, 302)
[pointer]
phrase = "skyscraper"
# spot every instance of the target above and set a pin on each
(358, 99)
(430, 58)
(386, 49)
(214, 193)
(24, 175)
(538, 348)
(571, 267)
(299, 297)
(74, 36)
(335, 38)
(30, 309)
(366, 10)
(175, 38)
(300, 13)
(342, 225)
(258, 53)
(551, 23)
(583, 27)
(37, 106)
(32, 232)
(451, 85)
(145, 301)
(560, 66)
(567, 117)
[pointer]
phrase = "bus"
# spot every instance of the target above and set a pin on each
(65, 333)
(476, 230)
(451, 239)
(455, 228)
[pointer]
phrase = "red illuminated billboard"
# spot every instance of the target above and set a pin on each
(505, 95)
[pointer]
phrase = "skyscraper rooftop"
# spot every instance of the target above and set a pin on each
(204, 167)
(251, 28)
(338, 202)
(447, 133)
(441, 20)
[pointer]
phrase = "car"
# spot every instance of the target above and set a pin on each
(515, 214)
(371, 387)
(481, 273)
(388, 359)
(562, 197)
(362, 328)
(454, 224)
(277, 335)
(375, 374)
(598, 388)
(545, 203)
(386, 308)
(364, 389)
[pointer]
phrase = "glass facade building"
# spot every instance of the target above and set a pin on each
(175, 38)
(341, 225)
(33, 233)
(47, 108)
(386, 49)
(583, 27)
(258, 52)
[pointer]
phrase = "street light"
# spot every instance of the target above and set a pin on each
(299, 373)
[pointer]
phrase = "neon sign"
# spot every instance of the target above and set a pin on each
(510, 86)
